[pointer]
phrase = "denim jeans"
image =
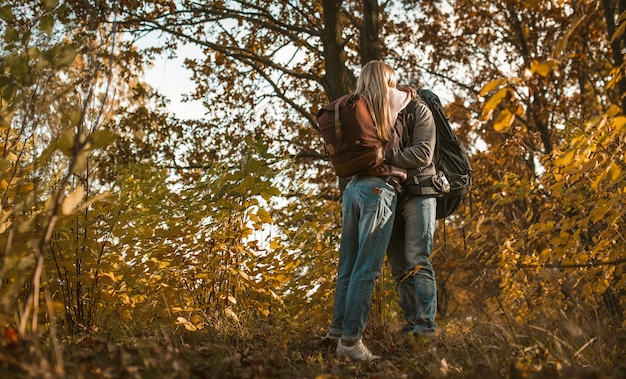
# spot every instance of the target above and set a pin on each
(368, 214)
(408, 255)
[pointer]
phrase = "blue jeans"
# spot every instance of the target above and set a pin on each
(368, 213)
(408, 255)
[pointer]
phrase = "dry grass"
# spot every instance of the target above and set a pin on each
(462, 349)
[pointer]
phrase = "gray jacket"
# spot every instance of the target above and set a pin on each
(418, 157)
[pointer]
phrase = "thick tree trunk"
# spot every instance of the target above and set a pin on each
(610, 11)
(370, 40)
(338, 79)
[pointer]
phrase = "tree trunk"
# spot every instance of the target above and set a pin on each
(370, 39)
(610, 10)
(338, 79)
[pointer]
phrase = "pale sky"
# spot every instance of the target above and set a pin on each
(172, 79)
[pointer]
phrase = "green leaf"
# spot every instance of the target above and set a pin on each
(66, 141)
(6, 13)
(65, 56)
(80, 161)
(102, 137)
(252, 165)
(26, 37)
(19, 67)
(46, 23)
(6, 118)
(11, 35)
(50, 4)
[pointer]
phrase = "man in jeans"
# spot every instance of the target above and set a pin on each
(412, 236)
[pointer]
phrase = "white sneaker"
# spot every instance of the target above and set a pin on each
(358, 351)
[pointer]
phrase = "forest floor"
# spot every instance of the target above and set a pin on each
(458, 351)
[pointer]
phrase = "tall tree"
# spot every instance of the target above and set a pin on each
(613, 12)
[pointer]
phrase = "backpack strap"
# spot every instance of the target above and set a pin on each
(419, 186)
(408, 118)
(338, 104)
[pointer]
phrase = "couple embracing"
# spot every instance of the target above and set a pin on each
(377, 218)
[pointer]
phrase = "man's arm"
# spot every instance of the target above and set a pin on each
(420, 154)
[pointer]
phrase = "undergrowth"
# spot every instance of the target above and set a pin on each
(463, 348)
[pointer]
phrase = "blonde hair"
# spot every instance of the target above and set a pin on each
(374, 82)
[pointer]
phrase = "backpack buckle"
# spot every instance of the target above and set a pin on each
(440, 182)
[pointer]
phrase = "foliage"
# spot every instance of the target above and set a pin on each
(121, 223)
(572, 239)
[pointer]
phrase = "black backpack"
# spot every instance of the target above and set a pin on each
(450, 159)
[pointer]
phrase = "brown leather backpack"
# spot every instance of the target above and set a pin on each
(349, 134)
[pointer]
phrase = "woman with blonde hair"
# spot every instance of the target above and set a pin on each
(368, 209)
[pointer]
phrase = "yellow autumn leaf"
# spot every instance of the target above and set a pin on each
(124, 298)
(493, 102)
(27, 187)
(563, 40)
(614, 171)
(189, 326)
(597, 213)
(125, 314)
(181, 320)
(71, 201)
(248, 182)
(596, 183)
(503, 121)
(613, 110)
(274, 244)
(108, 274)
(543, 68)
(566, 158)
(254, 218)
(619, 122)
(80, 161)
(533, 65)
(243, 275)
(616, 76)
(265, 216)
(579, 141)
(492, 85)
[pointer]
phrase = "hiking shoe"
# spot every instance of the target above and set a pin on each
(358, 351)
